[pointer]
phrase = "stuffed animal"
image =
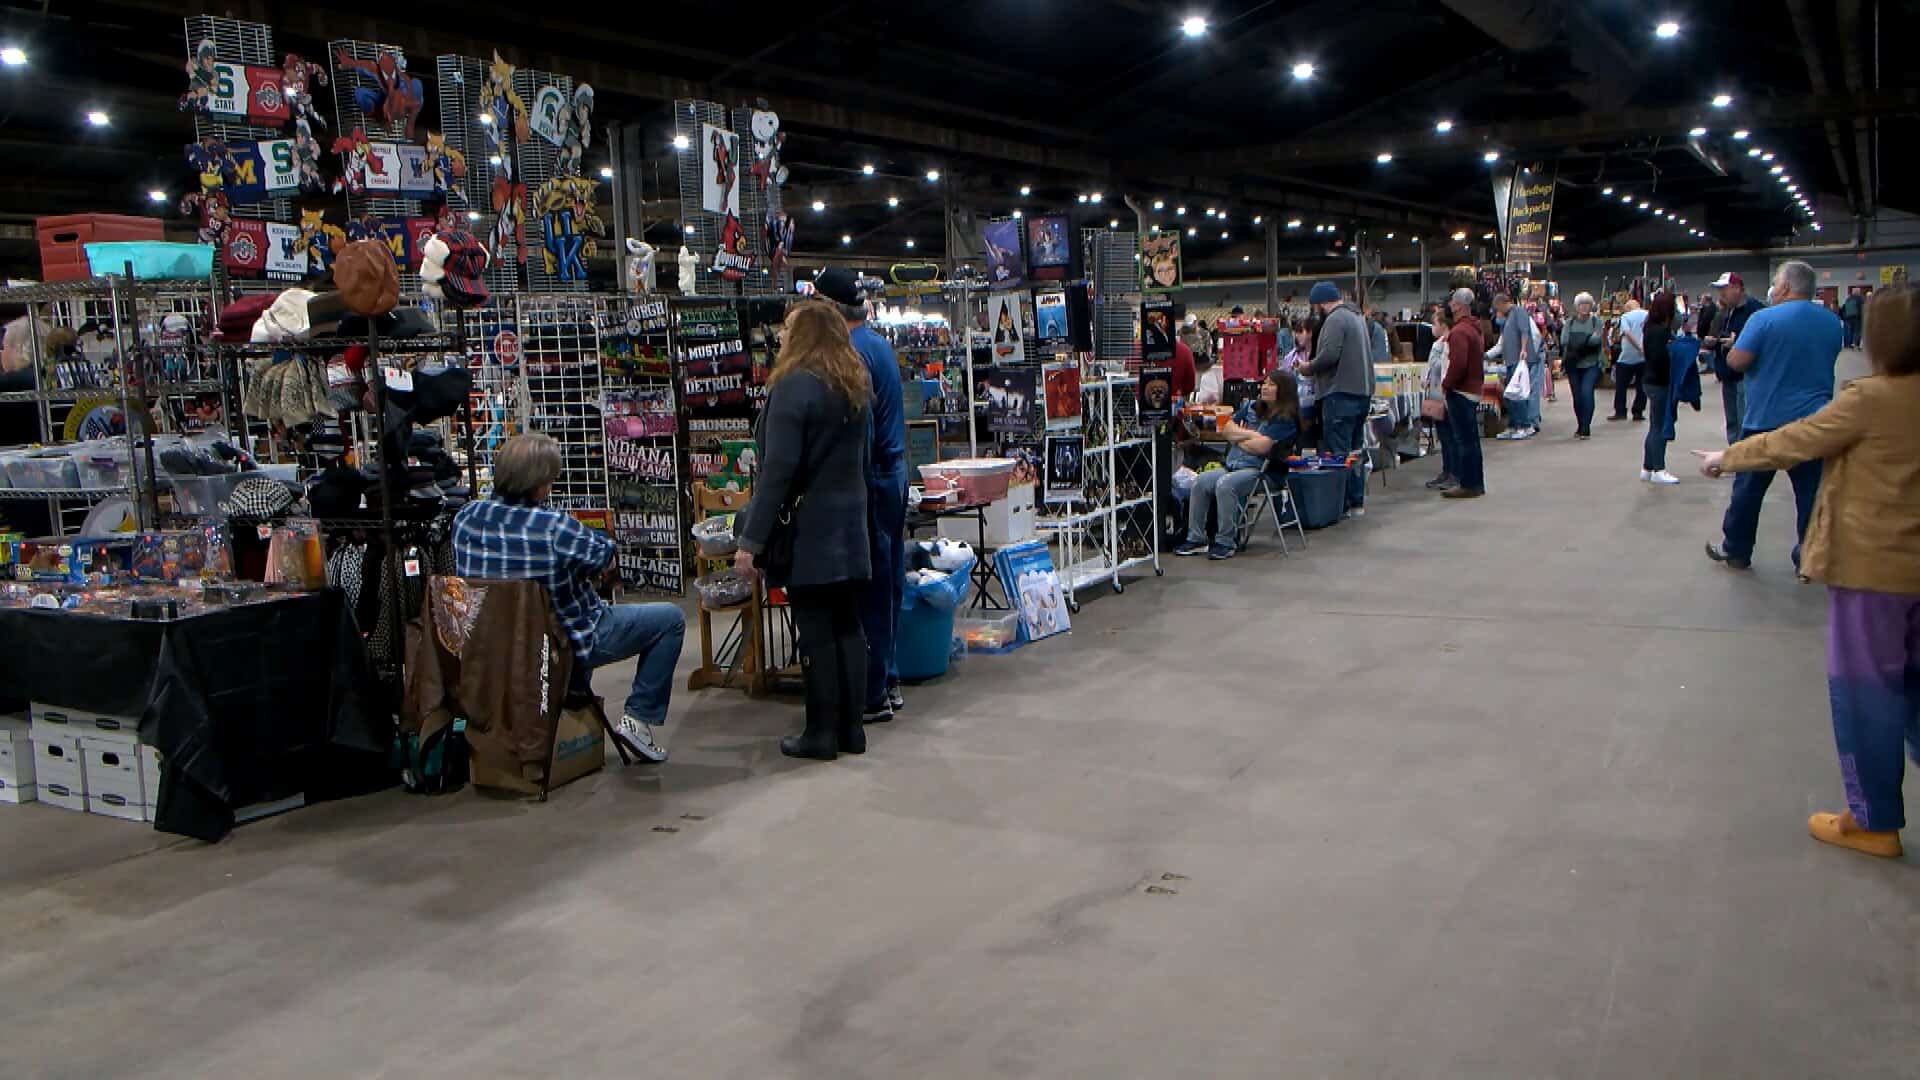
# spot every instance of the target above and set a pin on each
(689, 270)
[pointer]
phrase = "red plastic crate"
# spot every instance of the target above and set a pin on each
(63, 240)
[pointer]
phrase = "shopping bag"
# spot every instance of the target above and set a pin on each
(1519, 383)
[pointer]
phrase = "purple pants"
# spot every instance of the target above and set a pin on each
(1873, 679)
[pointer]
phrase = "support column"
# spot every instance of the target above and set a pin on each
(1273, 266)
(627, 144)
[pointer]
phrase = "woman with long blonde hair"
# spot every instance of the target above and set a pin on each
(805, 526)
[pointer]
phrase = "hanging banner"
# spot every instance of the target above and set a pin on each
(1156, 331)
(244, 92)
(1005, 268)
(244, 251)
(1502, 198)
(1530, 218)
(287, 258)
(719, 151)
(1160, 260)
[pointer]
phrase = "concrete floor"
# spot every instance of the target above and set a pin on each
(1514, 788)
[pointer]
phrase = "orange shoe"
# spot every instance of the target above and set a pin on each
(1839, 830)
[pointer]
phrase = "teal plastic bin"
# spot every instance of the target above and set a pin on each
(924, 644)
(152, 260)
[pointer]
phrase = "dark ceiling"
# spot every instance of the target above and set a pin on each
(1076, 96)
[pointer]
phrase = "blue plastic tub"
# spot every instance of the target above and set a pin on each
(152, 260)
(924, 644)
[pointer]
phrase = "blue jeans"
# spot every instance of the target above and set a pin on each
(1653, 454)
(1537, 375)
(1582, 382)
(1225, 493)
(880, 597)
(1343, 417)
(653, 633)
(1463, 417)
(1733, 400)
(1750, 489)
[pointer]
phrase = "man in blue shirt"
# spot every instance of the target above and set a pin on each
(886, 494)
(1630, 369)
(1786, 354)
(512, 537)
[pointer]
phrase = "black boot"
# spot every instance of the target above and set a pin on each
(820, 746)
(853, 739)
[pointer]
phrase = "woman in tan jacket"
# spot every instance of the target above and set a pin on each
(1864, 544)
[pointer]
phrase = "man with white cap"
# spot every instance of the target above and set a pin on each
(1735, 308)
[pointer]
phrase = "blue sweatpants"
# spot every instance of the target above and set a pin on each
(1873, 681)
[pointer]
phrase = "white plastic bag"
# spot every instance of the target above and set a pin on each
(1519, 382)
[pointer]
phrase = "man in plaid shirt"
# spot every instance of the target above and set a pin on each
(513, 537)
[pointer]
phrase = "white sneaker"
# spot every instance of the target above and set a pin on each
(1663, 477)
(1646, 475)
(1526, 433)
(1508, 435)
(639, 739)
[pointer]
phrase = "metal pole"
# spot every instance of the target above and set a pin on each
(124, 348)
(1426, 275)
(1273, 269)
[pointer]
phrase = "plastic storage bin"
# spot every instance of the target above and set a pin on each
(107, 464)
(152, 260)
(989, 632)
(63, 240)
(43, 469)
(924, 646)
(200, 496)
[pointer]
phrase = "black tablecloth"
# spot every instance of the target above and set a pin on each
(246, 704)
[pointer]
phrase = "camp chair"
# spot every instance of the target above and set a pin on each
(1277, 499)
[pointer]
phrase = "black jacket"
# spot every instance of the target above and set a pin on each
(812, 446)
(1659, 371)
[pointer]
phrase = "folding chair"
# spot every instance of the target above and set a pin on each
(1260, 501)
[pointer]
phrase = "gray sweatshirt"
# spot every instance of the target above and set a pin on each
(1342, 363)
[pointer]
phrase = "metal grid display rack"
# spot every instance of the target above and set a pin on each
(701, 230)
(561, 391)
(1115, 534)
(240, 42)
(460, 80)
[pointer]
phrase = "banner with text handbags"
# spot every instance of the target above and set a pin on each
(1530, 217)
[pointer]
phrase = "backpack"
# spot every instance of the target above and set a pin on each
(438, 765)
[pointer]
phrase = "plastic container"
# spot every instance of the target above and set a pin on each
(723, 589)
(714, 538)
(924, 645)
(63, 240)
(53, 469)
(989, 632)
(980, 480)
(200, 496)
(106, 464)
(152, 260)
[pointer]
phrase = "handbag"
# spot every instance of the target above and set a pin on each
(1433, 408)
(776, 561)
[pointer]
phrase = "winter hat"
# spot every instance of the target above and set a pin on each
(1324, 292)
(366, 277)
(257, 498)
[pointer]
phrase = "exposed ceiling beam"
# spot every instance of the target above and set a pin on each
(1804, 29)
(1851, 71)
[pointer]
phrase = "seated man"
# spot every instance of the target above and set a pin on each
(511, 536)
(1276, 412)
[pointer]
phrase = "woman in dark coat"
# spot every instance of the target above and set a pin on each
(812, 446)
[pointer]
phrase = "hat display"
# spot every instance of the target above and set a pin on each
(1728, 278)
(367, 278)
(257, 497)
(1324, 292)
(285, 319)
(453, 266)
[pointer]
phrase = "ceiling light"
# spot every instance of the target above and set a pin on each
(1721, 101)
(1224, 235)
(1486, 236)
(1767, 156)
(98, 118)
(1816, 226)
(845, 239)
(1559, 238)
(1490, 156)
(1740, 135)
(1319, 228)
(1784, 179)
(13, 56)
(818, 206)
(909, 243)
(1159, 204)
(1016, 213)
(1460, 236)
(1246, 258)
(1193, 232)
(1697, 132)
(1683, 221)
(688, 230)
(1606, 191)
(680, 142)
(1795, 188)
(1257, 219)
(1389, 236)
(1753, 151)
(1113, 223)
(1082, 197)
(473, 215)
(933, 176)
(156, 195)
(1293, 223)
(1777, 169)
(1223, 216)
(1193, 25)
(606, 172)
(1211, 212)
(1643, 206)
(867, 169)
(1626, 198)
(1303, 71)
(1179, 210)
(1667, 29)
(893, 202)
(1095, 197)
(1382, 158)
(1443, 126)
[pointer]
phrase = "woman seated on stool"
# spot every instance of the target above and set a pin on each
(1260, 435)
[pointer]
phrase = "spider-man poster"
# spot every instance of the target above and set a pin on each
(719, 151)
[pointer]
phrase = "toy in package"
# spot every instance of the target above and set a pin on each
(182, 555)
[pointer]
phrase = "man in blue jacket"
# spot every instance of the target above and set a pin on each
(886, 494)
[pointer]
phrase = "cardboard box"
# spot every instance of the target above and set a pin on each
(1012, 519)
(57, 721)
(150, 768)
(116, 806)
(579, 749)
(59, 776)
(9, 793)
(112, 769)
(16, 760)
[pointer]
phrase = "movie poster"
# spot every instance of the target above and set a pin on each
(1050, 319)
(1033, 588)
(1160, 260)
(1009, 395)
(1156, 395)
(1062, 391)
(1007, 322)
(1156, 331)
(1049, 245)
(1005, 268)
(719, 151)
(1024, 452)
(1066, 468)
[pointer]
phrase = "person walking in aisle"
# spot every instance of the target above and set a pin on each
(1582, 340)
(1629, 369)
(1342, 370)
(1787, 354)
(1850, 310)
(1863, 543)
(886, 494)
(1519, 344)
(1433, 399)
(1735, 308)
(806, 525)
(1658, 374)
(1464, 382)
(515, 536)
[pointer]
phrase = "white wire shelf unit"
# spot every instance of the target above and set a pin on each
(1112, 532)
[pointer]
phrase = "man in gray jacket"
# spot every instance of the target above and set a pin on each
(1342, 373)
